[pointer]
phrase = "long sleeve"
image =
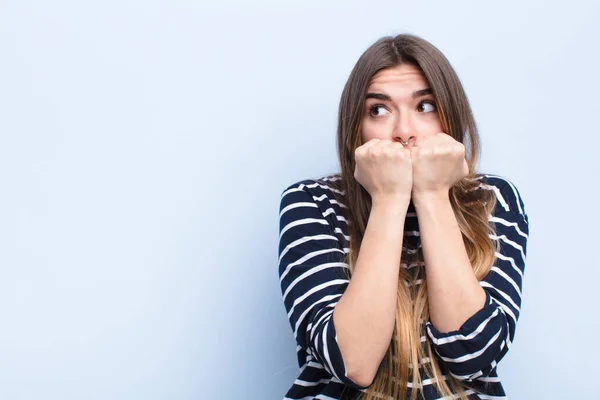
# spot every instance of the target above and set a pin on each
(474, 350)
(312, 275)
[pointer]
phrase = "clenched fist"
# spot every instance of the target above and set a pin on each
(384, 169)
(438, 162)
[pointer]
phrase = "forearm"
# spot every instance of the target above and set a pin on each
(365, 315)
(454, 292)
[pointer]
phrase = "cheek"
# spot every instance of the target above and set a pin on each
(430, 126)
(373, 130)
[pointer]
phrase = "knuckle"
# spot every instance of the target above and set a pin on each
(374, 152)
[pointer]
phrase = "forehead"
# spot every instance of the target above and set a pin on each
(404, 76)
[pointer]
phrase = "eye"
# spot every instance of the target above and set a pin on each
(427, 106)
(374, 108)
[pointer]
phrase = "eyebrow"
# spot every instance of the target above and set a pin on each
(385, 97)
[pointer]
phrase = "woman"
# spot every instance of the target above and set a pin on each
(402, 274)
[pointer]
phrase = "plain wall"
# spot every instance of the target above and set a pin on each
(144, 146)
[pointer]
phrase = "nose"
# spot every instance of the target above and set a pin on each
(406, 142)
(404, 130)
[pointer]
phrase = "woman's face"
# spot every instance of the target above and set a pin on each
(399, 105)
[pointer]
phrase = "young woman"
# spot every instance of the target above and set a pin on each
(402, 274)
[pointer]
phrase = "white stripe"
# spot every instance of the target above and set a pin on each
(305, 239)
(466, 392)
(313, 329)
(319, 396)
(338, 230)
(292, 190)
(489, 379)
(511, 261)
(311, 326)
(329, 211)
(303, 221)
(297, 205)
(326, 350)
(332, 211)
(512, 243)
(506, 223)
(507, 278)
(475, 354)
(454, 338)
(456, 396)
(311, 271)
(320, 198)
(338, 203)
(334, 282)
(301, 382)
(469, 377)
(506, 310)
(314, 185)
(301, 317)
(324, 397)
(332, 201)
(501, 293)
(341, 218)
(314, 364)
(501, 199)
(310, 255)
(509, 183)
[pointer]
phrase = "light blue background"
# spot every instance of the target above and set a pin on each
(144, 146)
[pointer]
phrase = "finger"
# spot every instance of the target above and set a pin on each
(426, 140)
(371, 143)
(363, 149)
(415, 142)
(421, 141)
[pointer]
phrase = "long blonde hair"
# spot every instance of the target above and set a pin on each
(471, 207)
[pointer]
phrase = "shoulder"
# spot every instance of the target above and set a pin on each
(508, 196)
(321, 188)
(320, 200)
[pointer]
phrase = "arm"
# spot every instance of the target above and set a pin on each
(473, 338)
(366, 313)
(453, 291)
(330, 315)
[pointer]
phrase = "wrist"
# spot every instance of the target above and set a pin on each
(395, 203)
(429, 197)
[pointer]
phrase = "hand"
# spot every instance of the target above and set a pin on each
(384, 169)
(438, 162)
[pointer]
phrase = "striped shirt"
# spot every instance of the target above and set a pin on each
(313, 241)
